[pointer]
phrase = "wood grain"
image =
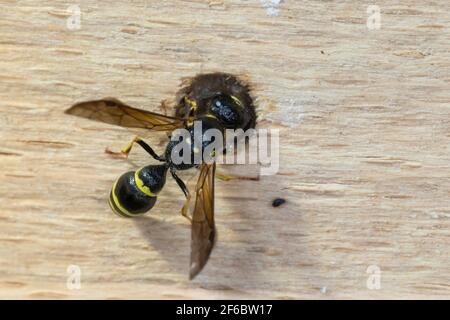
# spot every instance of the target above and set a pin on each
(364, 156)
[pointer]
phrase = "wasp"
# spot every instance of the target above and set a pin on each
(218, 101)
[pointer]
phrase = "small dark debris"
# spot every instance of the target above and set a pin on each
(322, 52)
(278, 202)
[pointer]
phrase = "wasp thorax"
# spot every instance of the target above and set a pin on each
(196, 144)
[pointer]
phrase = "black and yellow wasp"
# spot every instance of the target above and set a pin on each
(220, 101)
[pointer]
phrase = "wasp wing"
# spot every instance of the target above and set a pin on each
(203, 232)
(113, 111)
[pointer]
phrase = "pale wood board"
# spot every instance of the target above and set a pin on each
(364, 156)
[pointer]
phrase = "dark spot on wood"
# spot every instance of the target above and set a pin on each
(278, 202)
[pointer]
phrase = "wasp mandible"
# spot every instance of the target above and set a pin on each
(219, 101)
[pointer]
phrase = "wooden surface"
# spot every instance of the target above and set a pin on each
(364, 157)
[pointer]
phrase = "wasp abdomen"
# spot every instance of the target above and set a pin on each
(127, 200)
(151, 179)
(135, 192)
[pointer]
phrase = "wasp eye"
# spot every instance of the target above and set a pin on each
(225, 109)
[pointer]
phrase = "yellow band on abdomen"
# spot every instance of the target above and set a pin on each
(123, 211)
(141, 186)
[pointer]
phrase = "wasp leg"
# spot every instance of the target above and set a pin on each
(228, 177)
(185, 208)
(127, 149)
(223, 177)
